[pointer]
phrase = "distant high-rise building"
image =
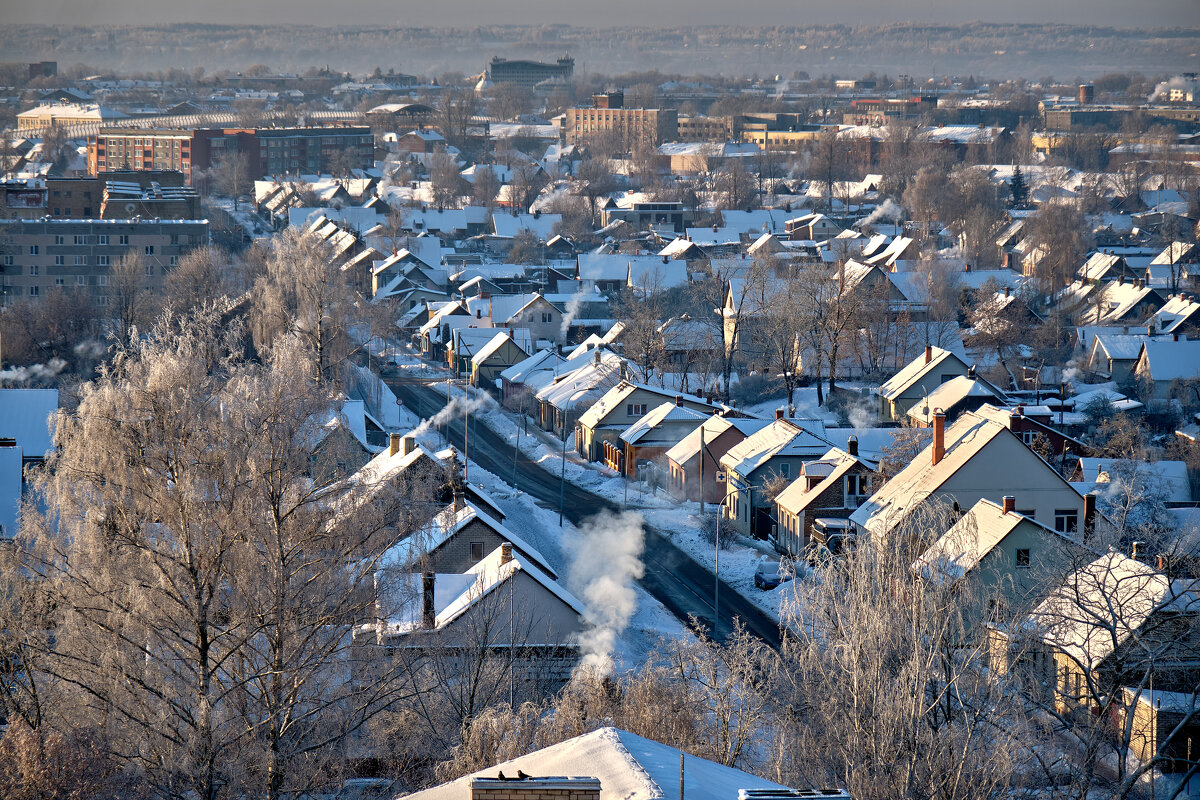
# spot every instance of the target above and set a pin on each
(529, 73)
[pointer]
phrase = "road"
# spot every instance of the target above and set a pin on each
(684, 587)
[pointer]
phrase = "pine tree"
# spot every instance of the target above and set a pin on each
(1020, 192)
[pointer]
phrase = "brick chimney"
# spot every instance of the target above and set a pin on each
(428, 616)
(506, 552)
(939, 435)
(779, 413)
(852, 446)
(1008, 504)
(928, 353)
(393, 444)
(526, 787)
(1014, 419)
(678, 399)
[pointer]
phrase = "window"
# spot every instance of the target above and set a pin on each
(857, 489)
(1066, 520)
(635, 409)
(148, 250)
(102, 280)
(81, 238)
(35, 291)
(102, 239)
(103, 299)
(547, 316)
(34, 249)
(60, 239)
(81, 261)
(785, 470)
(8, 261)
(102, 261)
(123, 238)
(1023, 558)
(1027, 438)
(81, 280)
(33, 269)
(174, 261)
(149, 270)
(60, 261)
(60, 281)
(57, 212)
(1027, 512)
(476, 551)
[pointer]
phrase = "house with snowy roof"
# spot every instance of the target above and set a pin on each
(626, 767)
(648, 439)
(562, 402)
(977, 457)
(955, 397)
(617, 410)
(1004, 559)
(499, 353)
(1112, 356)
(1165, 364)
(1179, 316)
(814, 507)
(776, 452)
(693, 463)
(916, 380)
(503, 603)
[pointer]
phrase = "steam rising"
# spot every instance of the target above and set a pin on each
(456, 407)
(608, 561)
(887, 211)
(573, 307)
(33, 371)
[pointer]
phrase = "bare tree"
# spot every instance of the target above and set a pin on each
(485, 186)
(231, 175)
(455, 115)
(129, 295)
(446, 181)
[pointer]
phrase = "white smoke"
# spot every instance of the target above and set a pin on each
(888, 211)
(1163, 90)
(608, 562)
(90, 348)
(860, 417)
(573, 306)
(458, 406)
(33, 371)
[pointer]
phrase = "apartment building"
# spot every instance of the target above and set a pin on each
(270, 151)
(39, 255)
(529, 73)
(609, 117)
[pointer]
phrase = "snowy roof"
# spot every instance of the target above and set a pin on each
(834, 464)
(1102, 604)
(615, 396)
(961, 549)
(582, 386)
(25, 415)
(950, 394)
(783, 437)
(73, 111)
(1171, 477)
(445, 524)
(1170, 360)
(495, 343)
(1176, 311)
(915, 371)
(1120, 346)
(714, 426)
(645, 427)
(541, 226)
(628, 766)
(544, 361)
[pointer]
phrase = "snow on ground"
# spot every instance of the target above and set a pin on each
(806, 407)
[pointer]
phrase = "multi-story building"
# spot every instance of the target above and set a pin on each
(631, 126)
(65, 114)
(529, 73)
(39, 255)
(269, 151)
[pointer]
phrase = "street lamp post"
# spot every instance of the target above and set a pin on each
(562, 474)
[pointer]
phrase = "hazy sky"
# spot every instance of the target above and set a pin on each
(1123, 13)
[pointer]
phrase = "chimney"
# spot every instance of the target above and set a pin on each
(1120, 280)
(939, 435)
(971, 372)
(596, 357)
(1135, 550)
(393, 444)
(852, 446)
(779, 413)
(506, 552)
(1007, 291)
(1174, 337)
(428, 616)
(479, 313)
(408, 444)
(666, 259)
(928, 353)
(1150, 329)
(1008, 504)
(678, 399)
(1089, 515)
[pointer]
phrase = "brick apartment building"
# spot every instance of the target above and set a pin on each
(110, 195)
(39, 255)
(271, 151)
(608, 116)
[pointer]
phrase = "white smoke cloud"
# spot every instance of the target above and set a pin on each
(888, 211)
(90, 348)
(573, 306)
(458, 406)
(608, 562)
(1162, 91)
(33, 371)
(860, 416)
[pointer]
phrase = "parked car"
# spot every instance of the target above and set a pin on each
(772, 573)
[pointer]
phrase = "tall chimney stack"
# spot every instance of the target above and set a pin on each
(939, 435)
(779, 413)
(1089, 515)
(928, 353)
(1008, 504)
(506, 552)
(408, 444)
(393, 444)
(852, 446)
(428, 617)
